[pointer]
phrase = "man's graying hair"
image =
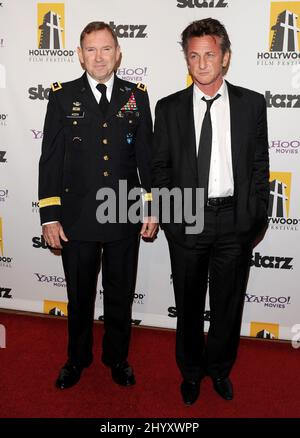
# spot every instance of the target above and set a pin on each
(207, 26)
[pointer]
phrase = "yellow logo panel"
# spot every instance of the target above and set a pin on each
(57, 308)
(189, 80)
(284, 179)
(1, 238)
(264, 330)
(51, 26)
(284, 35)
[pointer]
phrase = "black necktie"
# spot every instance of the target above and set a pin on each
(204, 151)
(103, 104)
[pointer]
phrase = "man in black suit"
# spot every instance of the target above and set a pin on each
(212, 135)
(97, 135)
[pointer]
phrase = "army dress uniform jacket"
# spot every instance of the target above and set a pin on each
(82, 152)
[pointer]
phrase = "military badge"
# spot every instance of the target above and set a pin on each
(129, 138)
(130, 105)
(76, 111)
(120, 114)
(79, 115)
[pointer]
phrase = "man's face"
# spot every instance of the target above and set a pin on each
(99, 54)
(206, 61)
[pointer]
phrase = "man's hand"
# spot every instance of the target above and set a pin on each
(52, 234)
(150, 227)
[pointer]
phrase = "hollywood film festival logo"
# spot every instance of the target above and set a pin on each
(51, 35)
(280, 203)
(3, 119)
(284, 35)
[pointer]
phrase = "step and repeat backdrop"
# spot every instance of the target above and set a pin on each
(38, 42)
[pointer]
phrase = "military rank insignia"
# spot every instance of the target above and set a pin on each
(130, 105)
(56, 86)
(141, 86)
(76, 111)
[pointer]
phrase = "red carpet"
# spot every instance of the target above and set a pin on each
(266, 378)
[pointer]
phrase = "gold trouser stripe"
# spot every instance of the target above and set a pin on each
(47, 202)
(148, 197)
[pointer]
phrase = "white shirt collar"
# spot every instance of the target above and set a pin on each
(198, 94)
(109, 84)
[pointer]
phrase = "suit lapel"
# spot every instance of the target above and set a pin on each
(237, 121)
(185, 120)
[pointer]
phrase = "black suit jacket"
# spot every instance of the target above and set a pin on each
(82, 152)
(175, 164)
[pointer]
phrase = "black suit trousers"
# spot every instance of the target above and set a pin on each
(220, 260)
(81, 261)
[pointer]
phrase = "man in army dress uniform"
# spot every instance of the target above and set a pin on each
(98, 131)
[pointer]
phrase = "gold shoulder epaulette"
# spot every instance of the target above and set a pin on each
(141, 86)
(56, 86)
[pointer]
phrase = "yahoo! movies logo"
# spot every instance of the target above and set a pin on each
(284, 147)
(3, 195)
(133, 74)
(51, 35)
(36, 133)
(54, 280)
(268, 301)
(280, 203)
(284, 35)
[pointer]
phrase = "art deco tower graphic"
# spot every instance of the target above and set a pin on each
(285, 36)
(278, 198)
(51, 32)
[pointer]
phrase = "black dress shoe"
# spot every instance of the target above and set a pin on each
(190, 390)
(69, 375)
(223, 387)
(122, 374)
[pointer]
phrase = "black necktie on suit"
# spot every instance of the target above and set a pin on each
(204, 151)
(103, 104)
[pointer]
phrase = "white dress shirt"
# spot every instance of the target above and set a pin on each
(220, 173)
(93, 84)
